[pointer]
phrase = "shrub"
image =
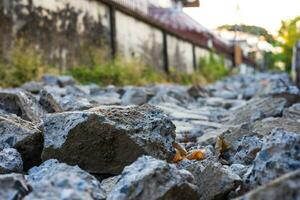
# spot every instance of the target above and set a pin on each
(117, 72)
(213, 68)
(23, 63)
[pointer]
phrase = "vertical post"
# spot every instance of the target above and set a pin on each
(194, 58)
(296, 64)
(113, 42)
(165, 52)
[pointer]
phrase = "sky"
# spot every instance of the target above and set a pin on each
(264, 13)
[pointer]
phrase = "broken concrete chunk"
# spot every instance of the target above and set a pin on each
(285, 187)
(10, 161)
(23, 136)
(279, 155)
(257, 109)
(54, 180)
(149, 178)
(106, 139)
(22, 104)
(13, 187)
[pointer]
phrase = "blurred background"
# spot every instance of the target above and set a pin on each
(140, 42)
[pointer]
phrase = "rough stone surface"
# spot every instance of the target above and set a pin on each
(134, 96)
(106, 139)
(10, 161)
(33, 87)
(21, 103)
(285, 187)
(258, 109)
(54, 180)
(23, 136)
(292, 112)
(216, 181)
(149, 178)
(279, 155)
(13, 187)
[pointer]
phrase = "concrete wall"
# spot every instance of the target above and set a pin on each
(67, 32)
(180, 54)
(139, 40)
(78, 32)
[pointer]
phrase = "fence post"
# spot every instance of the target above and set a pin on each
(165, 52)
(113, 42)
(296, 64)
(194, 57)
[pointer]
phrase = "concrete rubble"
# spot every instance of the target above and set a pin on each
(236, 138)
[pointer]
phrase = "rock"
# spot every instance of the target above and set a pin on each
(109, 183)
(239, 169)
(293, 112)
(106, 139)
(285, 187)
(282, 89)
(23, 136)
(13, 187)
(10, 161)
(49, 79)
(257, 109)
(54, 180)
(265, 126)
(197, 91)
(63, 99)
(64, 81)
(279, 155)
(149, 178)
(49, 102)
(245, 151)
(22, 104)
(216, 181)
(33, 87)
(134, 96)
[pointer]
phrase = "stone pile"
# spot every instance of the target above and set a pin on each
(237, 138)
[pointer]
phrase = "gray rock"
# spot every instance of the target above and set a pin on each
(106, 139)
(109, 183)
(55, 99)
(13, 187)
(10, 161)
(49, 102)
(246, 150)
(54, 180)
(64, 81)
(292, 112)
(216, 181)
(134, 96)
(23, 136)
(33, 87)
(282, 89)
(149, 178)
(239, 169)
(257, 109)
(279, 155)
(265, 126)
(286, 187)
(197, 91)
(22, 104)
(49, 79)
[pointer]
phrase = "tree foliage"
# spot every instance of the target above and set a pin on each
(289, 33)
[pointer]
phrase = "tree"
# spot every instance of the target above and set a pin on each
(289, 33)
